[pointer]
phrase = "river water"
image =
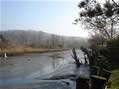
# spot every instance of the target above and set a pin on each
(33, 68)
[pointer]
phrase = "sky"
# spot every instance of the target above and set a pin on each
(52, 16)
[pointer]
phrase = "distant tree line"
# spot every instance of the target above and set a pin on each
(38, 39)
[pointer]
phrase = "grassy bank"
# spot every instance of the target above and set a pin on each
(114, 79)
(22, 50)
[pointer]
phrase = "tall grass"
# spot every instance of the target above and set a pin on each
(22, 50)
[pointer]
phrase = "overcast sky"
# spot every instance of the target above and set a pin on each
(52, 16)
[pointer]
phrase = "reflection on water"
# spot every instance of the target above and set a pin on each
(26, 68)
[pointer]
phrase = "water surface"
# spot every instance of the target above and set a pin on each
(34, 67)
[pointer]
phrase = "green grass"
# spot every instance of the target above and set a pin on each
(114, 79)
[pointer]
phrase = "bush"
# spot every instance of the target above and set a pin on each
(113, 50)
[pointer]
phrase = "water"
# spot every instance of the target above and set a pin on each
(32, 68)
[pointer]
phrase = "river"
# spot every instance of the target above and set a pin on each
(30, 70)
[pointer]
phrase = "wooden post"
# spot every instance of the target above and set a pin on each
(98, 82)
(106, 74)
(82, 83)
(75, 57)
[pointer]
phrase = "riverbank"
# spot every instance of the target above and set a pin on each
(22, 50)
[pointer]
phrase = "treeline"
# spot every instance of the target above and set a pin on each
(39, 39)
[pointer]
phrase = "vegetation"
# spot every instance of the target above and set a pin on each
(103, 20)
(112, 53)
(17, 42)
(113, 50)
(38, 39)
(114, 80)
(3, 42)
(16, 51)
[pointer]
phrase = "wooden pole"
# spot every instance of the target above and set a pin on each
(106, 74)
(82, 83)
(98, 82)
